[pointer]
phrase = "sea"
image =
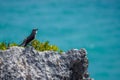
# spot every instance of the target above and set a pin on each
(69, 24)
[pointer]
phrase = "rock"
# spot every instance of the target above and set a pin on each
(18, 63)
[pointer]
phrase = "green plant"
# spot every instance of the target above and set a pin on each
(40, 46)
(44, 46)
(12, 44)
(3, 46)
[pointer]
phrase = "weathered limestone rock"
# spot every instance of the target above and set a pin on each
(18, 63)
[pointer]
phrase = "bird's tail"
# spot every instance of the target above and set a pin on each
(23, 43)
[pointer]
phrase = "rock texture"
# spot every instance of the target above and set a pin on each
(18, 63)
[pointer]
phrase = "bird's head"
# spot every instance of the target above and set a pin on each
(35, 31)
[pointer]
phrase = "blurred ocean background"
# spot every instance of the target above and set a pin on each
(90, 24)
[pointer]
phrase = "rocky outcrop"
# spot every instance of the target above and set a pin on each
(18, 63)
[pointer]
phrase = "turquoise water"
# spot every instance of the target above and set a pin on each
(90, 24)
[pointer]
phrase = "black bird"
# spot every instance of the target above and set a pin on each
(29, 38)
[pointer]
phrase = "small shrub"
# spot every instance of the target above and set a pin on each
(3, 46)
(12, 44)
(44, 46)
